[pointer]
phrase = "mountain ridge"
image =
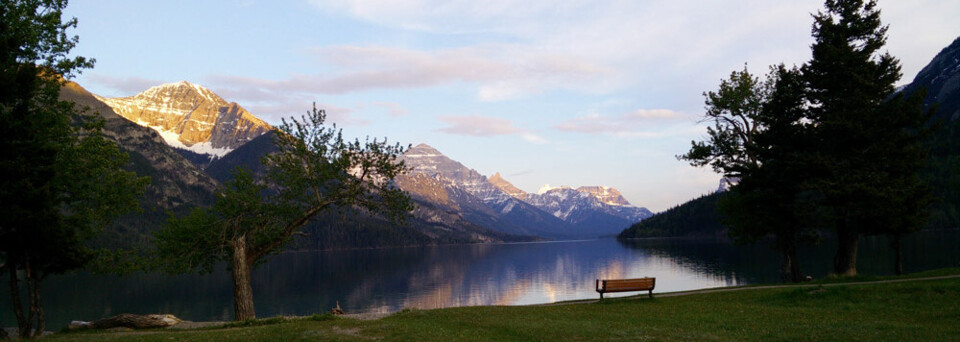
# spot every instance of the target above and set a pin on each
(191, 117)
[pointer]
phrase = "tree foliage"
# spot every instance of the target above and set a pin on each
(825, 146)
(867, 149)
(314, 169)
(696, 218)
(61, 181)
(733, 109)
(757, 137)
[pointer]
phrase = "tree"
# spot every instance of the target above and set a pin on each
(733, 109)
(314, 170)
(906, 197)
(53, 161)
(757, 137)
(848, 83)
(769, 197)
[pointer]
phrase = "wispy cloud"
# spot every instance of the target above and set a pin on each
(124, 86)
(501, 71)
(483, 126)
(393, 109)
(639, 123)
(619, 44)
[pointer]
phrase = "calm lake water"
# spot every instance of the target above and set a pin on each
(388, 280)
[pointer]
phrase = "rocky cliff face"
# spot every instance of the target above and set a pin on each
(176, 185)
(479, 200)
(175, 182)
(941, 79)
(191, 117)
(605, 194)
(507, 187)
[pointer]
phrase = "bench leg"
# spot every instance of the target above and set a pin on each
(651, 294)
(601, 295)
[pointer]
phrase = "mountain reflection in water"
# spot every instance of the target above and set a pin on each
(391, 279)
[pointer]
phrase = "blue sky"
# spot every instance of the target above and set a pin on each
(560, 92)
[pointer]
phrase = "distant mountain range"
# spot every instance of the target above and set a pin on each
(189, 139)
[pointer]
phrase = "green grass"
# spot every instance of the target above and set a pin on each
(916, 310)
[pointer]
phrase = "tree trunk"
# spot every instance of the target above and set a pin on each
(898, 251)
(28, 326)
(36, 305)
(22, 323)
(845, 261)
(790, 264)
(242, 290)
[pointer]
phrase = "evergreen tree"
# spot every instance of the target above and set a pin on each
(854, 175)
(757, 137)
(768, 199)
(314, 170)
(60, 180)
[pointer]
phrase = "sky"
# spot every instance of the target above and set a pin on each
(544, 92)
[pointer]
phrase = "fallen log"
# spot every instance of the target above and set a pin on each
(127, 320)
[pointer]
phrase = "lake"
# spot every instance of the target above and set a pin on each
(391, 279)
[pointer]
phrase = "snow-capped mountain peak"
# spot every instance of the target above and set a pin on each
(547, 188)
(191, 117)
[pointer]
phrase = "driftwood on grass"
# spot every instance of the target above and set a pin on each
(126, 320)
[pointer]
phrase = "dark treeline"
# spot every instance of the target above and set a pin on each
(828, 146)
(696, 218)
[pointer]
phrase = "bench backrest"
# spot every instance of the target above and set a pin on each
(638, 284)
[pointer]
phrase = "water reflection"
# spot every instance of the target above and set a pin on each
(388, 280)
(758, 263)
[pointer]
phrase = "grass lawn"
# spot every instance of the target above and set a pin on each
(916, 310)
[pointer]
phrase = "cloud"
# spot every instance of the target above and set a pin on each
(478, 126)
(639, 123)
(600, 46)
(125, 86)
(483, 126)
(501, 71)
(393, 109)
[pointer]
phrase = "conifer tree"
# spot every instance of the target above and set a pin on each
(61, 181)
(859, 172)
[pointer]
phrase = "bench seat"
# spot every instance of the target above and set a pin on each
(626, 285)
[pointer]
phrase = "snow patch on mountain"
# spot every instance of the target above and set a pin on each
(190, 117)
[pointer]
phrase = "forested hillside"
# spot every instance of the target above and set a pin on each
(695, 218)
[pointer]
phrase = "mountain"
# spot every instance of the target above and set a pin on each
(599, 210)
(941, 79)
(191, 117)
(435, 220)
(175, 183)
(505, 186)
(480, 201)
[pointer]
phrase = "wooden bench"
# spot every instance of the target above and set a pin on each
(625, 285)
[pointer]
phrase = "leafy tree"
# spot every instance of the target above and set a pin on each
(768, 199)
(855, 176)
(314, 170)
(733, 109)
(757, 135)
(60, 180)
